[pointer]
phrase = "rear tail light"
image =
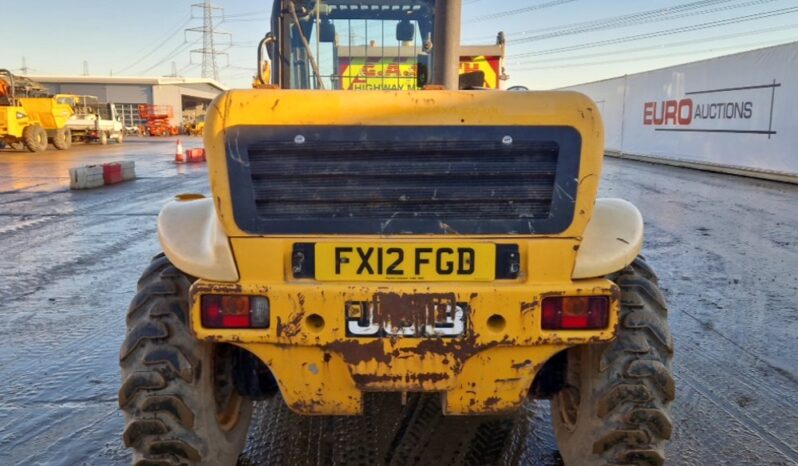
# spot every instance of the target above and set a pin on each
(234, 311)
(576, 312)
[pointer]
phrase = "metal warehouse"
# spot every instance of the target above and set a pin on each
(185, 95)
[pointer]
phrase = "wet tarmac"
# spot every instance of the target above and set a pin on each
(726, 250)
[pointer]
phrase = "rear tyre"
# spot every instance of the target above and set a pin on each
(177, 393)
(62, 139)
(103, 138)
(615, 406)
(34, 137)
(120, 138)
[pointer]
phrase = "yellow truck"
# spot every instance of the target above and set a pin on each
(32, 121)
(405, 256)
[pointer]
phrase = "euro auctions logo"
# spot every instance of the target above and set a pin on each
(743, 109)
(669, 112)
(684, 112)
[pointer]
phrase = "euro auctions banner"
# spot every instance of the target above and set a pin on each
(738, 111)
(400, 74)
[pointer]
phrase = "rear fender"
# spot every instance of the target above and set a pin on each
(194, 241)
(612, 239)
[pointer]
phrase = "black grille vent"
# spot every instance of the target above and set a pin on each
(421, 183)
(406, 180)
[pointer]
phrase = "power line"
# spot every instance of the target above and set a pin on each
(651, 16)
(652, 57)
(517, 11)
(176, 51)
(157, 47)
(242, 15)
(247, 20)
(666, 32)
(182, 47)
(186, 68)
(242, 44)
(210, 68)
(656, 47)
(660, 14)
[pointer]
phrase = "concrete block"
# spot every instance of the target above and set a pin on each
(87, 177)
(112, 173)
(128, 170)
(195, 155)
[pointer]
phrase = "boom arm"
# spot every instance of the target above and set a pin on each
(446, 54)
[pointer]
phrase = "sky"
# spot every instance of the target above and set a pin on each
(550, 43)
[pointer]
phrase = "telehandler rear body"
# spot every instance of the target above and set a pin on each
(444, 245)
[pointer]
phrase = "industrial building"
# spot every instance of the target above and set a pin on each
(186, 96)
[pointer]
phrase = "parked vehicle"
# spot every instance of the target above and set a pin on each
(132, 131)
(93, 121)
(158, 120)
(196, 127)
(34, 120)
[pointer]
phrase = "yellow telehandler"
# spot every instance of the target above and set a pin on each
(410, 265)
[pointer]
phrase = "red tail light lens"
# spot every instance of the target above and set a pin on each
(576, 312)
(234, 311)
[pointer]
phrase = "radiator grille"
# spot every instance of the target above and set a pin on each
(436, 181)
(446, 185)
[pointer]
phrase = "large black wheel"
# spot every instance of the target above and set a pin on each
(177, 393)
(615, 406)
(62, 139)
(34, 137)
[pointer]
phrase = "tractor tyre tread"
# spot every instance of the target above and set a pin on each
(62, 139)
(163, 395)
(34, 138)
(624, 408)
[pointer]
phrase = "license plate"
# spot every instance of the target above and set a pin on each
(436, 262)
(411, 316)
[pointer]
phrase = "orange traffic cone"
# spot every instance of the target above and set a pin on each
(180, 155)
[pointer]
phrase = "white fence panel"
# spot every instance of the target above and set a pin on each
(739, 111)
(609, 97)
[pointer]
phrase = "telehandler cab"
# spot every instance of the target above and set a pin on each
(412, 264)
